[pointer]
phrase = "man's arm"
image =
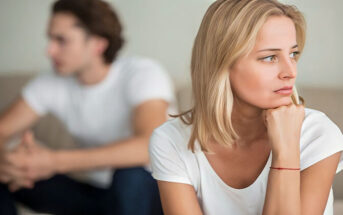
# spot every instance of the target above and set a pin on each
(125, 153)
(15, 119)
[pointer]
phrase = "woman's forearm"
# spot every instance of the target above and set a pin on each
(283, 189)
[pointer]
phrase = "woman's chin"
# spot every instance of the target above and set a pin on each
(284, 102)
(279, 103)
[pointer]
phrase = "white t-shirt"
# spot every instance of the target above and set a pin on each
(172, 161)
(100, 114)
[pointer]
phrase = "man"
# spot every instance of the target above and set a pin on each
(110, 108)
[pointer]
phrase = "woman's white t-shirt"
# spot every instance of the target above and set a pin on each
(172, 161)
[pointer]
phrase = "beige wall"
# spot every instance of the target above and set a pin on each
(165, 30)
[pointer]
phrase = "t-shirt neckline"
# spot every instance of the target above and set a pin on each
(112, 74)
(228, 187)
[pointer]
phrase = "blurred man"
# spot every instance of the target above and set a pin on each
(109, 106)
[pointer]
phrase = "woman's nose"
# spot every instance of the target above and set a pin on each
(288, 69)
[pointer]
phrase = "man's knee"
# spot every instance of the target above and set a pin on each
(134, 181)
(7, 205)
(134, 192)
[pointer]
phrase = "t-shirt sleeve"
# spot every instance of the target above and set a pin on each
(147, 81)
(321, 138)
(37, 93)
(166, 161)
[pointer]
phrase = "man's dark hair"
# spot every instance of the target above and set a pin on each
(97, 18)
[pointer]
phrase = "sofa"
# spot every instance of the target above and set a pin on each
(50, 131)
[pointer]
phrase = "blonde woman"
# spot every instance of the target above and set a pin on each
(247, 146)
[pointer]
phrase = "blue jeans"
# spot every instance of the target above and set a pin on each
(133, 192)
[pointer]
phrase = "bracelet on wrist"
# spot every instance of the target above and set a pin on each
(283, 168)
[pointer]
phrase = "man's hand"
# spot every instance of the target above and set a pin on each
(40, 160)
(12, 168)
(28, 163)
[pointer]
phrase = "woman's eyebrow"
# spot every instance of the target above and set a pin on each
(271, 49)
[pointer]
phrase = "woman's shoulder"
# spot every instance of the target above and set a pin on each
(320, 138)
(171, 160)
(174, 131)
(317, 122)
(174, 124)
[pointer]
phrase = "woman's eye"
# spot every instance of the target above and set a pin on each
(294, 54)
(271, 58)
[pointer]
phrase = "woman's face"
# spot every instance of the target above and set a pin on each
(258, 77)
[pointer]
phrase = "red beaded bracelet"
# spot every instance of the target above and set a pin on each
(281, 168)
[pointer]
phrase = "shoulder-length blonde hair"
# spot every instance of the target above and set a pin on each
(227, 32)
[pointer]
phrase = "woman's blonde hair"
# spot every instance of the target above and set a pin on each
(227, 32)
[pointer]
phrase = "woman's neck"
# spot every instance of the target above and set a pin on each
(248, 122)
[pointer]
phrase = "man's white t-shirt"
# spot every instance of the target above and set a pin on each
(172, 161)
(100, 114)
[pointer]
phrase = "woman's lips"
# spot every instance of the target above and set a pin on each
(285, 91)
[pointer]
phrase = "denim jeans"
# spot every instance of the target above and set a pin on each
(133, 192)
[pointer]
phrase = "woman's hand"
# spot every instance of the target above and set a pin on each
(284, 127)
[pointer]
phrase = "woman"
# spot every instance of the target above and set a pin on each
(247, 147)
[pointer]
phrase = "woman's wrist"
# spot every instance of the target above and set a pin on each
(286, 159)
(290, 162)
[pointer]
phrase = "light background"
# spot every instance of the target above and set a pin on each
(165, 30)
